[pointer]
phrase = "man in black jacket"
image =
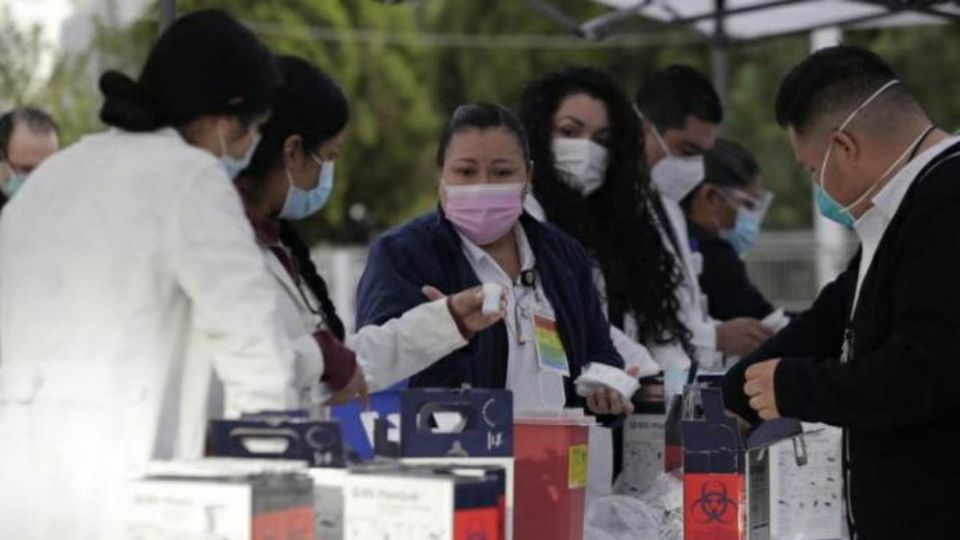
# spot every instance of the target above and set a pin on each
(878, 353)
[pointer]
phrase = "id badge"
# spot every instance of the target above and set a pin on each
(550, 351)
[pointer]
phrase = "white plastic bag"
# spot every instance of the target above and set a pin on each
(655, 514)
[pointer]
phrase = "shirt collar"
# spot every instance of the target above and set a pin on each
(887, 201)
(476, 255)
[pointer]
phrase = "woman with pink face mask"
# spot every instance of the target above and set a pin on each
(554, 326)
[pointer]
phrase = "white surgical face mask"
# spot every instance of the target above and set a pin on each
(676, 176)
(582, 164)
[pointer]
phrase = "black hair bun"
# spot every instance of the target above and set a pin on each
(126, 105)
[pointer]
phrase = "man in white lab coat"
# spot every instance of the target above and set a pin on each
(680, 114)
(114, 252)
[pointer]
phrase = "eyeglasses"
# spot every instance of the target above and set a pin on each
(739, 198)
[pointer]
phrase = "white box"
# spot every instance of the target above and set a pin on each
(808, 500)
(177, 509)
(644, 444)
(507, 464)
(410, 508)
(328, 505)
(218, 499)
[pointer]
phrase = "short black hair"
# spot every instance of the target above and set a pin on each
(728, 164)
(205, 63)
(482, 116)
(672, 94)
(831, 79)
(36, 119)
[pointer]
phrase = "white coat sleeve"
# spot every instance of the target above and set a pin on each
(633, 353)
(404, 346)
(234, 302)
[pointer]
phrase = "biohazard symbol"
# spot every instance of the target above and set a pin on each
(714, 505)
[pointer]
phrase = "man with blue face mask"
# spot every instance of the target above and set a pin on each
(724, 215)
(877, 352)
(680, 114)
(28, 136)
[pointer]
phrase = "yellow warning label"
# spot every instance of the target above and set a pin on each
(578, 467)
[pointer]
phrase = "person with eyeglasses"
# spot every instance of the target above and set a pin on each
(724, 215)
(28, 136)
(291, 178)
(554, 326)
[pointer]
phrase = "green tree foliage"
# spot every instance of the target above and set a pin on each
(406, 67)
(20, 53)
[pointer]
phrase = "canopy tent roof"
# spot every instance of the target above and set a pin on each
(744, 20)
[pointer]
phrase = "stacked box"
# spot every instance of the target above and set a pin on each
(220, 499)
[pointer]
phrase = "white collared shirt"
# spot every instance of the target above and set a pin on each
(693, 310)
(523, 365)
(872, 225)
(625, 341)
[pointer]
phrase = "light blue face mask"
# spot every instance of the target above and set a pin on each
(826, 204)
(746, 230)
(301, 203)
(745, 233)
(831, 209)
(235, 166)
(13, 183)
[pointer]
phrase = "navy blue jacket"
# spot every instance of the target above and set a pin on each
(724, 279)
(427, 251)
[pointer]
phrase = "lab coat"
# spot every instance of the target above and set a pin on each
(693, 313)
(115, 253)
(387, 353)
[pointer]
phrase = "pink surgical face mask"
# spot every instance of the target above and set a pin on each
(483, 212)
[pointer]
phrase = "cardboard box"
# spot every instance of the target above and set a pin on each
(448, 423)
(423, 503)
(464, 427)
(806, 482)
(726, 477)
(328, 507)
(357, 426)
(644, 448)
(221, 500)
(278, 436)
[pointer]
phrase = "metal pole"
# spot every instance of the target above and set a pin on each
(720, 52)
(168, 13)
(830, 238)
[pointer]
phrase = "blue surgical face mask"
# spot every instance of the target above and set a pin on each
(746, 230)
(829, 207)
(13, 183)
(301, 203)
(745, 233)
(235, 166)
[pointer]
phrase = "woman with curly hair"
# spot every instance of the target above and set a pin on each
(588, 182)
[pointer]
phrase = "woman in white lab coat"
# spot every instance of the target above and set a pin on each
(117, 251)
(290, 177)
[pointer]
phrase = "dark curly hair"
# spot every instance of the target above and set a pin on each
(615, 223)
